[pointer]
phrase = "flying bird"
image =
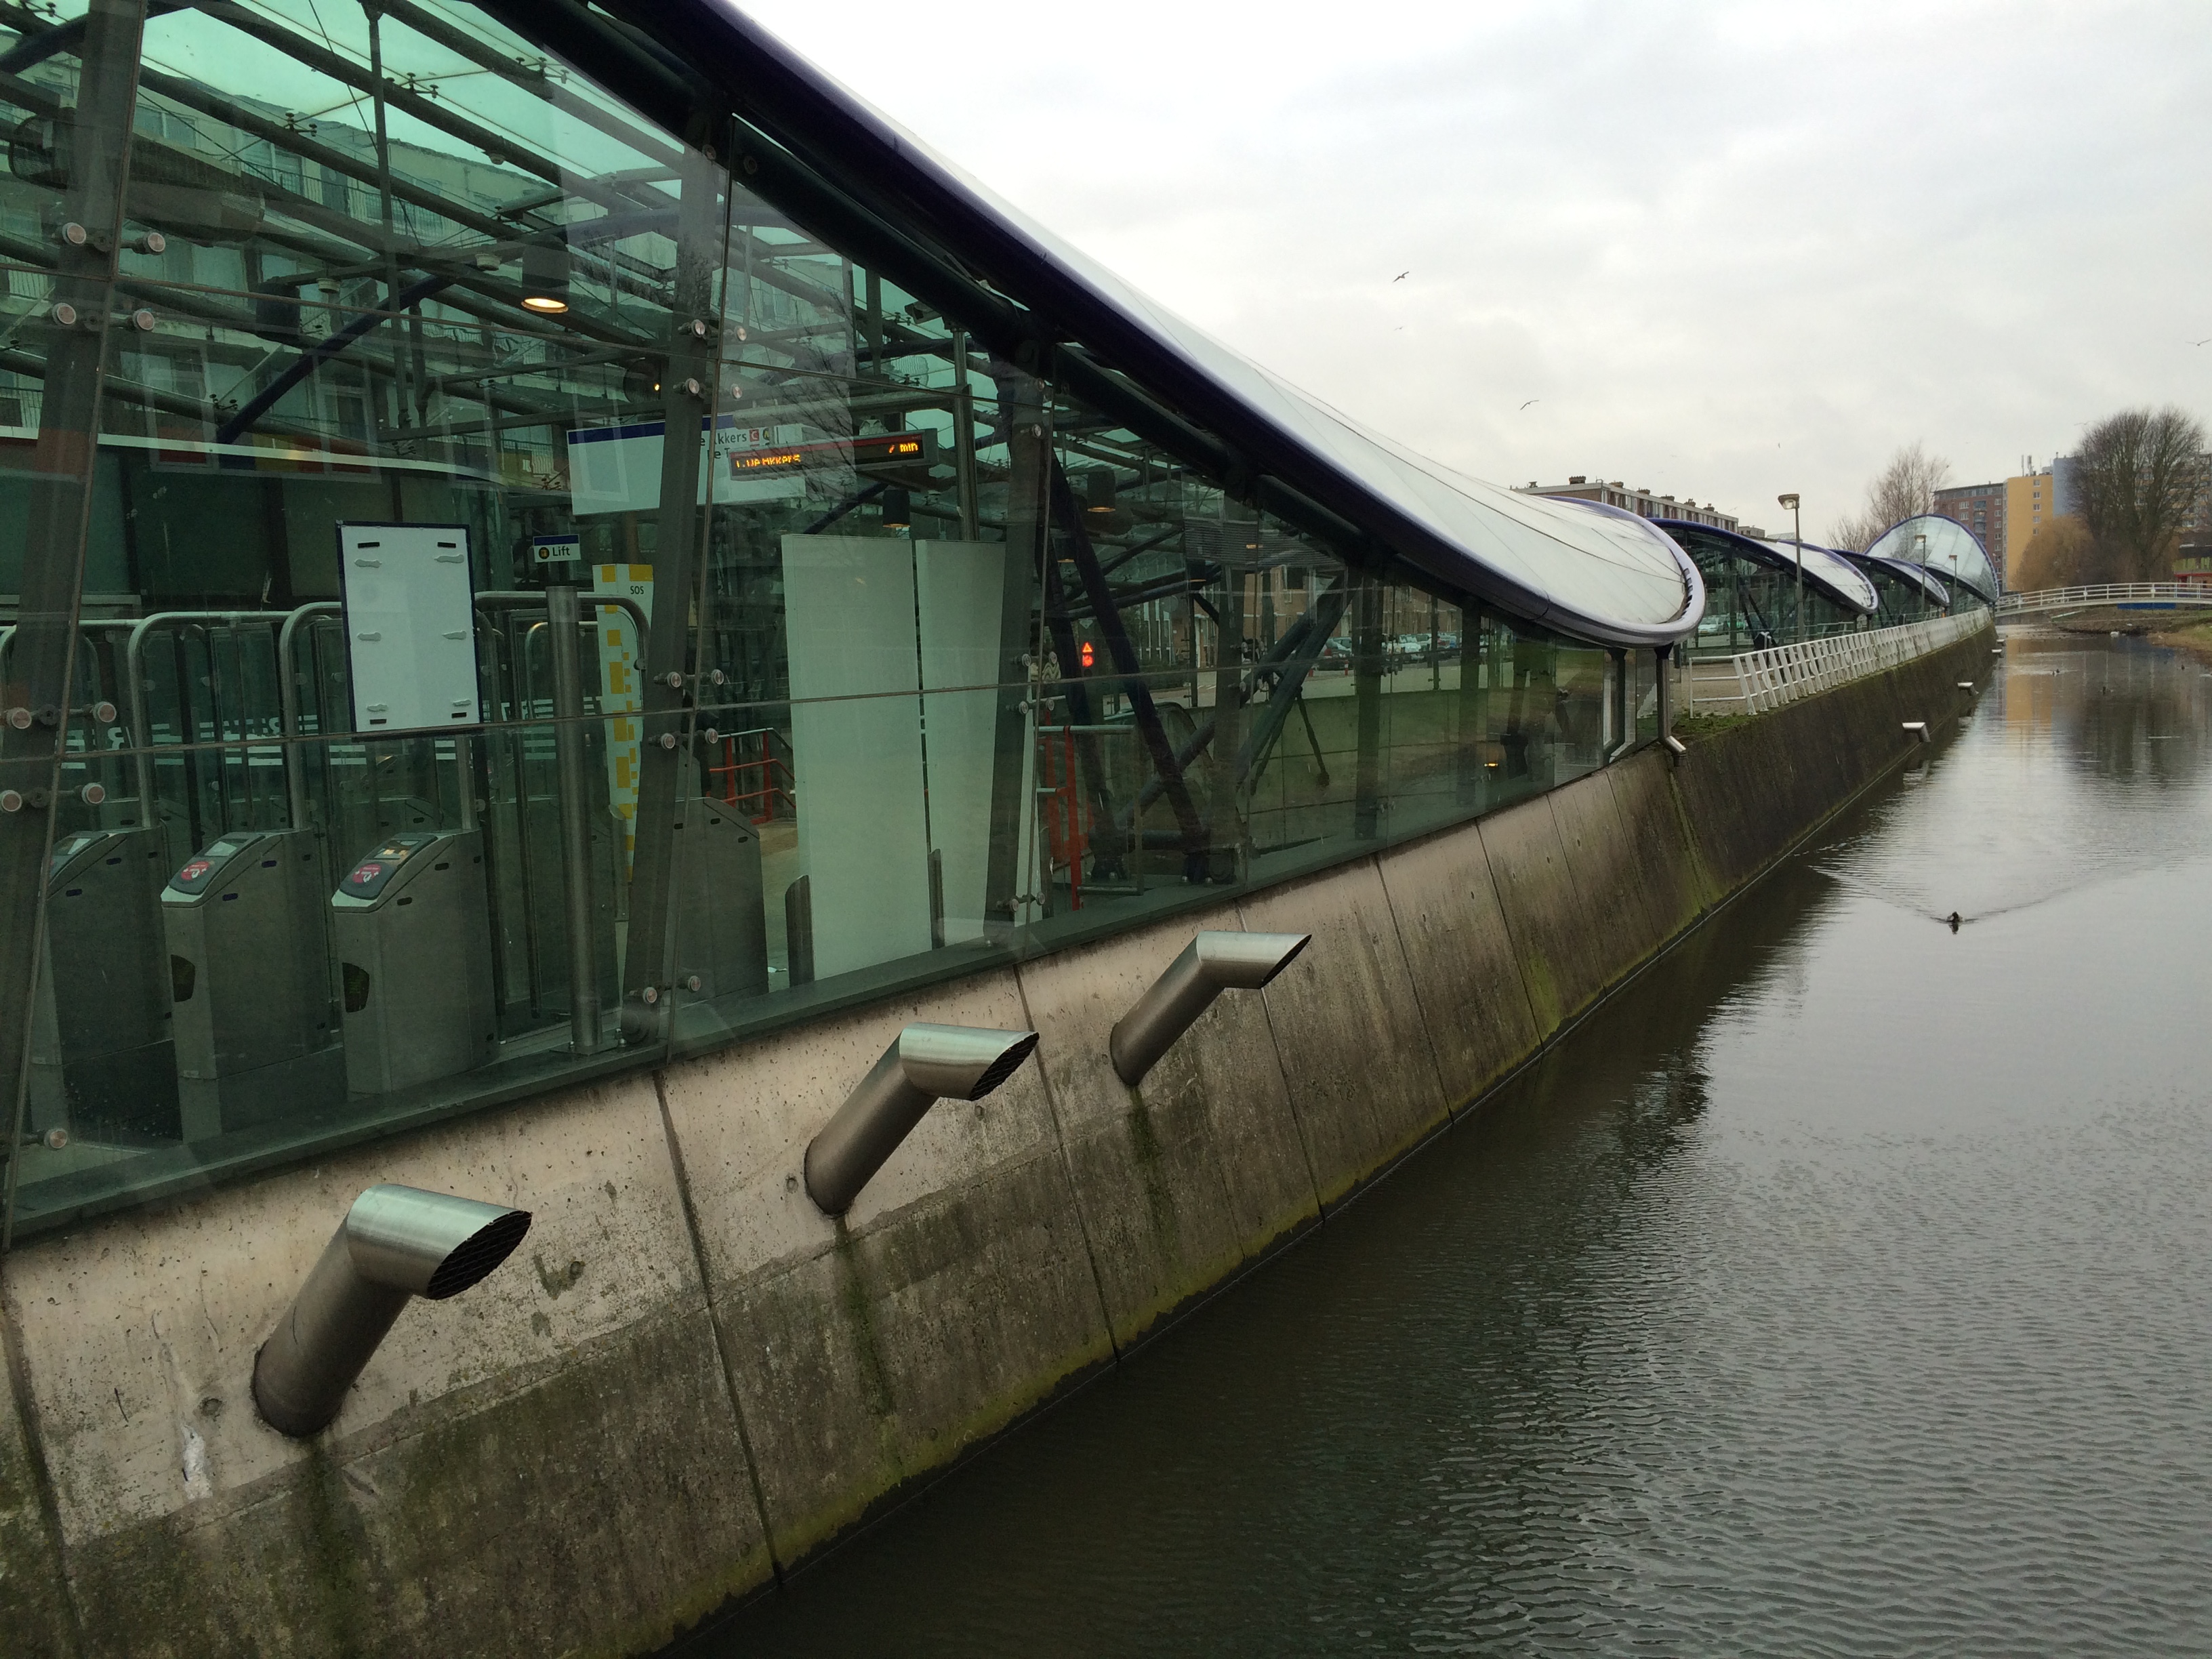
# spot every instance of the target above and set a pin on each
(1402, 275)
(1532, 400)
(2207, 340)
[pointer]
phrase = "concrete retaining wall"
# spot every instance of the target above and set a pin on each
(688, 1378)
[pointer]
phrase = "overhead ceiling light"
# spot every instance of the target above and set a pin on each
(898, 508)
(545, 278)
(1098, 490)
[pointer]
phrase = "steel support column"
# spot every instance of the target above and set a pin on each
(690, 383)
(1021, 414)
(93, 142)
(1367, 689)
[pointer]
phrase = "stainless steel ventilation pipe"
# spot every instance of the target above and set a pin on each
(1210, 964)
(925, 1064)
(395, 1242)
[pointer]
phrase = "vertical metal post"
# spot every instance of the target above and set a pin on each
(1021, 403)
(95, 137)
(872, 298)
(689, 382)
(402, 393)
(1367, 693)
(1797, 520)
(1474, 711)
(964, 436)
(1224, 823)
(564, 619)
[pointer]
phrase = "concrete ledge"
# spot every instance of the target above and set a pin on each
(956, 1294)
(34, 1612)
(1203, 1168)
(1474, 999)
(504, 1412)
(1347, 1027)
(1553, 935)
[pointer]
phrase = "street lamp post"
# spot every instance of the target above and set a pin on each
(1797, 524)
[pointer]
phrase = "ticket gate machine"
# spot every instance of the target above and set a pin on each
(411, 926)
(258, 1036)
(102, 1064)
(721, 930)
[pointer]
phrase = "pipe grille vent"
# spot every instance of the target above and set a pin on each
(1005, 1066)
(478, 1254)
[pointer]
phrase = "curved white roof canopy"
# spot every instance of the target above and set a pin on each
(1621, 583)
(1905, 570)
(1834, 575)
(1944, 545)
(1837, 574)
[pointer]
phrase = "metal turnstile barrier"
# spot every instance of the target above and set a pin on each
(412, 927)
(102, 1063)
(257, 1034)
(721, 930)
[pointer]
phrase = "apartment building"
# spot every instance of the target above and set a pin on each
(1641, 501)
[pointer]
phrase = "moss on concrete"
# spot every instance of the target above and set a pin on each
(594, 1510)
(36, 1617)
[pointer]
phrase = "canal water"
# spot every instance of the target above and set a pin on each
(1841, 1287)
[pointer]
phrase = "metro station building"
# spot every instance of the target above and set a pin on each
(542, 538)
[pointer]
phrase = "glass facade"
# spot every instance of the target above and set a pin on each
(1908, 593)
(1751, 591)
(501, 589)
(1947, 547)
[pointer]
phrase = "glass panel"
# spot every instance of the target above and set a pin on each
(69, 135)
(365, 321)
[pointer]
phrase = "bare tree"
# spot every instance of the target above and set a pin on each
(2138, 476)
(1906, 486)
(2063, 553)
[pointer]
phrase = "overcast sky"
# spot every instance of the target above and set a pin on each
(1731, 249)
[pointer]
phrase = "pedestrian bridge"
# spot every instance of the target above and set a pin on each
(2119, 596)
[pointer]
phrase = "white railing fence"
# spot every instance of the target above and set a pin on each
(1756, 680)
(2062, 598)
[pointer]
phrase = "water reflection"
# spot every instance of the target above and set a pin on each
(1834, 1290)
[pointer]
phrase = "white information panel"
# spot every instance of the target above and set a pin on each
(959, 592)
(856, 746)
(410, 626)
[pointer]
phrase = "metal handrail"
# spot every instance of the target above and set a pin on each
(286, 623)
(1755, 681)
(288, 704)
(2051, 598)
(141, 733)
(521, 599)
